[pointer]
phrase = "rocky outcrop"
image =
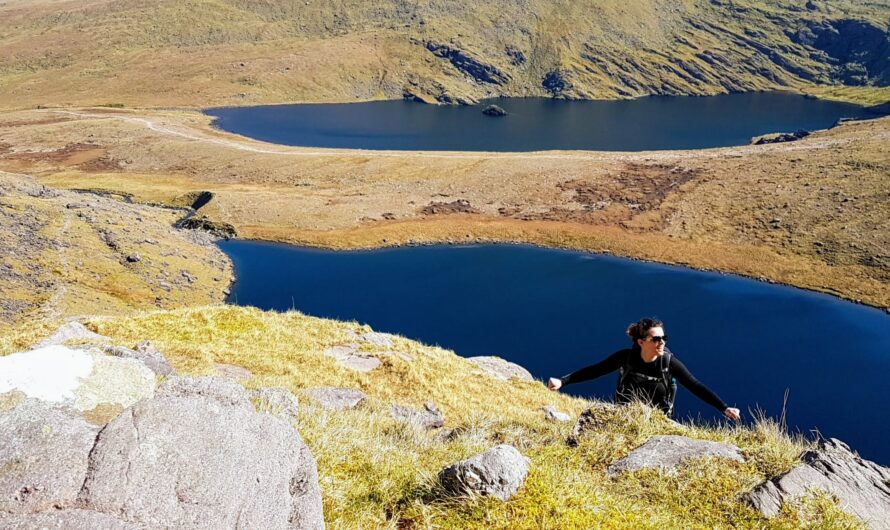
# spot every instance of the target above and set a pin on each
(861, 486)
(777, 138)
(668, 452)
(428, 418)
(199, 456)
(501, 369)
(494, 111)
(44, 452)
(498, 472)
(82, 379)
(858, 50)
(217, 228)
(336, 398)
(147, 353)
(444, 208)
(476, 69)
(555, 82)
(71, 331)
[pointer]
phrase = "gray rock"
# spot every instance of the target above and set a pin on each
(231, 371)
(377, 339)
(223, 391)
(71, 331)
(501, 369)
(347, 355)
(199, 456)
(552, 414)
(668, 452)
(429, 418)
(70, 519)
(498, 472)
(278, 401)
(336, 398)
(44, 452)
(145, 352)
(861, 486)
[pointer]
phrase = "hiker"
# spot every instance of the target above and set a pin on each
(647, 371)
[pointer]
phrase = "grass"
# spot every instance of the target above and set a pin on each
(378, 473)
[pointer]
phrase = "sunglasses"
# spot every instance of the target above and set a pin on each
(658, 338)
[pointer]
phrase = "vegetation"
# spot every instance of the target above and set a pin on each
(378, 473)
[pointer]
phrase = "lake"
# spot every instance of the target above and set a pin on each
(535, 124)
(554, 311)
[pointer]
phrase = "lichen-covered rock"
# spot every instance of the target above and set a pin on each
(552, 414)
(861, 486)
(668, 452)
(337, 398)
(498, 472)
(198, 455)
(83, 379)
(501, 369)
(278, 401)
(44, 450)
(147, 353)
(68, 519)
(429, 418)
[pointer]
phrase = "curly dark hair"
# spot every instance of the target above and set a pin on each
(640, 329)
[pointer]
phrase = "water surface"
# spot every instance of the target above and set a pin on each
(533, 124)
(554, 311)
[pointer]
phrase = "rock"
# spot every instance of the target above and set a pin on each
(552, 414)
(134, 258)
(501, 369)
(446, 208)
(476, 69)
(336, 398)
(348, 356)
(198, 455)
(71, 331)
(82, 379)
(69, 519)
(494, 111)
(231, 371)
(498, 472)
(861, 486)
(44, 451)
(668, 452)
(555, 82)
(779, 137)
(429, 418)
(377, 339)
(278, 401)
(145, 352)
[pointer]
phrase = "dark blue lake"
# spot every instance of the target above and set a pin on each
(534, 124)
(554, 311)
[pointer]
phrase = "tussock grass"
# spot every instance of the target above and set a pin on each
(376, 472)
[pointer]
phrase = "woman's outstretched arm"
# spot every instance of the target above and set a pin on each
(682, 374)
(607, 365)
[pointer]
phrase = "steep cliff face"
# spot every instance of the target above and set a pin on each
(240, 52)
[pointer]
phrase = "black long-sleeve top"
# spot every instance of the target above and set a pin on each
(631, 358)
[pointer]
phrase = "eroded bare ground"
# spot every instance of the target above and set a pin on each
(813, 213)
(66, 253)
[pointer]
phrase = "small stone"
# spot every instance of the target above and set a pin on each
(332, 398)
(430, 418)
(498, 472)
(552, 414)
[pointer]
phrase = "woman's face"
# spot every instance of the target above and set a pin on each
(653, 344)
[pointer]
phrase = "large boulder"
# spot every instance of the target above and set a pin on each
(44, 451)
(501, 369)
(68, 519)
(83, 379)
(498, 472)
(668, 452)
(198, 455)
(861, 486)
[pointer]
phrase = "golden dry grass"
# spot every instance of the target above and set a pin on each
(378, 473)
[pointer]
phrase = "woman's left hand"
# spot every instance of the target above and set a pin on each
(733, 414)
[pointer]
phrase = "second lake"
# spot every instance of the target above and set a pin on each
(554, 311)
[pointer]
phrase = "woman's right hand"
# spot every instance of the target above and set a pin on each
(554, 383)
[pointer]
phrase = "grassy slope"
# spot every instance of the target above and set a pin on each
(235, 52)
(377, 473)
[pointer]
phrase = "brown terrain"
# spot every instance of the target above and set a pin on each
(812, 213)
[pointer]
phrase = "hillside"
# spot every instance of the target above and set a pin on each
(377, 472)
(236, 52)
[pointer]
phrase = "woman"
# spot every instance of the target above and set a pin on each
(647, 371)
